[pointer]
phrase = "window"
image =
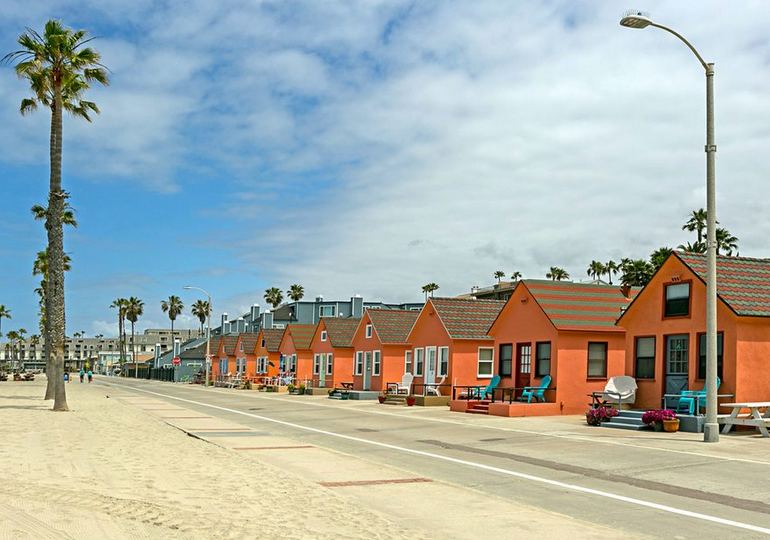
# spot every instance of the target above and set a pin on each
(376, 364)
(327, 311)
(407, 361)
(419, 361)
(443, 361)
(506, 360)
(525, 358)
(677, 300)
(263, 342)
(368, 331)
(702, 355)
(293, 363)
(543, 359)
(316, 364)
(329, 364)
(597, 360)
(486, 360)
(645, 358)
(359, 363)
(240, 346)
(324, 335)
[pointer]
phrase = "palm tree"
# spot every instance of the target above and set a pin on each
(5, 313)
(611, 268)
(499, 275)
(120, 304)
(134, 310)
(273, 296)
(76, 334)
(296, 292)
(429, 288)
(13, 336)
(202, 310)
(659, 256)
(516, 276)
(21, 332)
(59, 68)
(636, 273)
(557, 274)
(173, 306)
(726, 242)
(39, 212)
(697, 247)
(697, 223)
(595, 270)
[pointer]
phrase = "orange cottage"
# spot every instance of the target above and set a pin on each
(245, 361)
(295, 350)
(562, 329)
(223, 357)
(333, 352)
(380, 347)
(666, 325)
(267, 352)
(450, 344)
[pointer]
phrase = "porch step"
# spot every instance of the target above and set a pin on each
(393, 399)
(339, 394)
(623, 425)
(481, 407)
(631, 420)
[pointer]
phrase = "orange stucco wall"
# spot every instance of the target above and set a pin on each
(645, 318)
(391, 363)
(342, 363)
(304, 372)
(273, 358)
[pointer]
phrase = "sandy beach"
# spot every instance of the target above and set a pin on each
(109, 470)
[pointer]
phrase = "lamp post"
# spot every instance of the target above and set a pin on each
(639, 20)
(208, 329)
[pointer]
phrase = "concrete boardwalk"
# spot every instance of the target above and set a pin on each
(454, 475)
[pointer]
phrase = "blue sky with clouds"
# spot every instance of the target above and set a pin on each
(370, 147)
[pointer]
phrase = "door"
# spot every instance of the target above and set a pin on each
(430, 365)
(677, 363)
(368, 370)
(322, 371)
(523, 366)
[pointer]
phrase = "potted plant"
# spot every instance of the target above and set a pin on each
(410, 400)
(381, 398)
(301, 390)
(595, 417)
(657, 417)
(290, 388)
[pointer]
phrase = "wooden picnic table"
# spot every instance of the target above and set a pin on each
(754, 418)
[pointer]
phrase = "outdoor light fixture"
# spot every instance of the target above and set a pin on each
(637, 19)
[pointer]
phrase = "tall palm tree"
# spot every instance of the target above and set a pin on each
(636, 273)
(273, 296)
(596, 269)
(59, 68)
(429, 288)
(13, 337)
(516, 276)
(296, 292)
(726, 242)
(5, 313)
(173, 306)
(557, 274)
(134, 310)
(697, 223)
(610, 268)
(202, 310)
(659, 256)
(39, 212)
(120, 304)
(21, 333)
(696, 247)
(499, 275)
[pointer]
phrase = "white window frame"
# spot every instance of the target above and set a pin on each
(358, 367)
(329, 364)
(419, 366)
(443, 372)
(324, 335)
(408, 361)
(376, 363)
(368, 331)
(316, 364)
(293, 363)
(333, 309)
(491, 363)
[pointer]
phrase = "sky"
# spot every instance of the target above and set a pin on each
(371, 147)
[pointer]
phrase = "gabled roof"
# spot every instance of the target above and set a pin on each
(195, 352)
(273, 338)
(467, 318)
(743, 283)
(579, 306)
(340, 331)
(249, 340)
(392, 325)
(301, 335)
(230, 342)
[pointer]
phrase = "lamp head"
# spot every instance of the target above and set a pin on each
(636, 19)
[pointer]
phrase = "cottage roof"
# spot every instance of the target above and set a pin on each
(340, 331)
(392, 325)
(301, 335)
(230, 342)
(743, 283)
(273, 338)
(467, 318)
(195, 352)
(580, 306)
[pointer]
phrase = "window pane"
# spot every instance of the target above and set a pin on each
(543, 358)
(702, 355)
(677, 299)
(597, 359)
(506, 360)
(485, 355)
(645, 346)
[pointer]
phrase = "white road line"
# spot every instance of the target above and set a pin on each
(473, 464)
(513, 430)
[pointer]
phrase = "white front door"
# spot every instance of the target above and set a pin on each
(430, 365)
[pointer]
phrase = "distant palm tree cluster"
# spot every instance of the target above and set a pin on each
(274, 296)
(726, 242)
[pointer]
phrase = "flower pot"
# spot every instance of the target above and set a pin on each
(381, 399)
(410, 401)
(592, 420)
(671, 426)
(657, 426)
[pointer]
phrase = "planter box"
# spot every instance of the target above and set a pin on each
(431, 401)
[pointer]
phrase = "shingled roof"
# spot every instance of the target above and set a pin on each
(580, 306)
(273, 338)
(340, 331)
(196, 352)
(743, 283)
(249, 340)
(467, 318)
(392, 325)
(301, 335)
(230, 342)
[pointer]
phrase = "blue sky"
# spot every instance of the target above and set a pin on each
(371, 147)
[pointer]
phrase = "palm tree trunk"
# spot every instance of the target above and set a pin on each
(133, 352)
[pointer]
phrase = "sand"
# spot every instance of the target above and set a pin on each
(110, 470)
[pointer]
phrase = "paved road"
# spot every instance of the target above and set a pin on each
(639, 485)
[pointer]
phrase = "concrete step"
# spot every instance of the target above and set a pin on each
(627, 420)
(622, 425)
(631, 414)
(477, 411)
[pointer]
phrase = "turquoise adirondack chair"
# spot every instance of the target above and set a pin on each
(489, 390)
(536, 392)
(687, 401)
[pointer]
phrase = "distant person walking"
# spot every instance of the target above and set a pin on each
(66, 376)
(82, 375)
(90, 375)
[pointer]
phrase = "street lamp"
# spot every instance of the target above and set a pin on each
(637, 19)
(208, 329)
